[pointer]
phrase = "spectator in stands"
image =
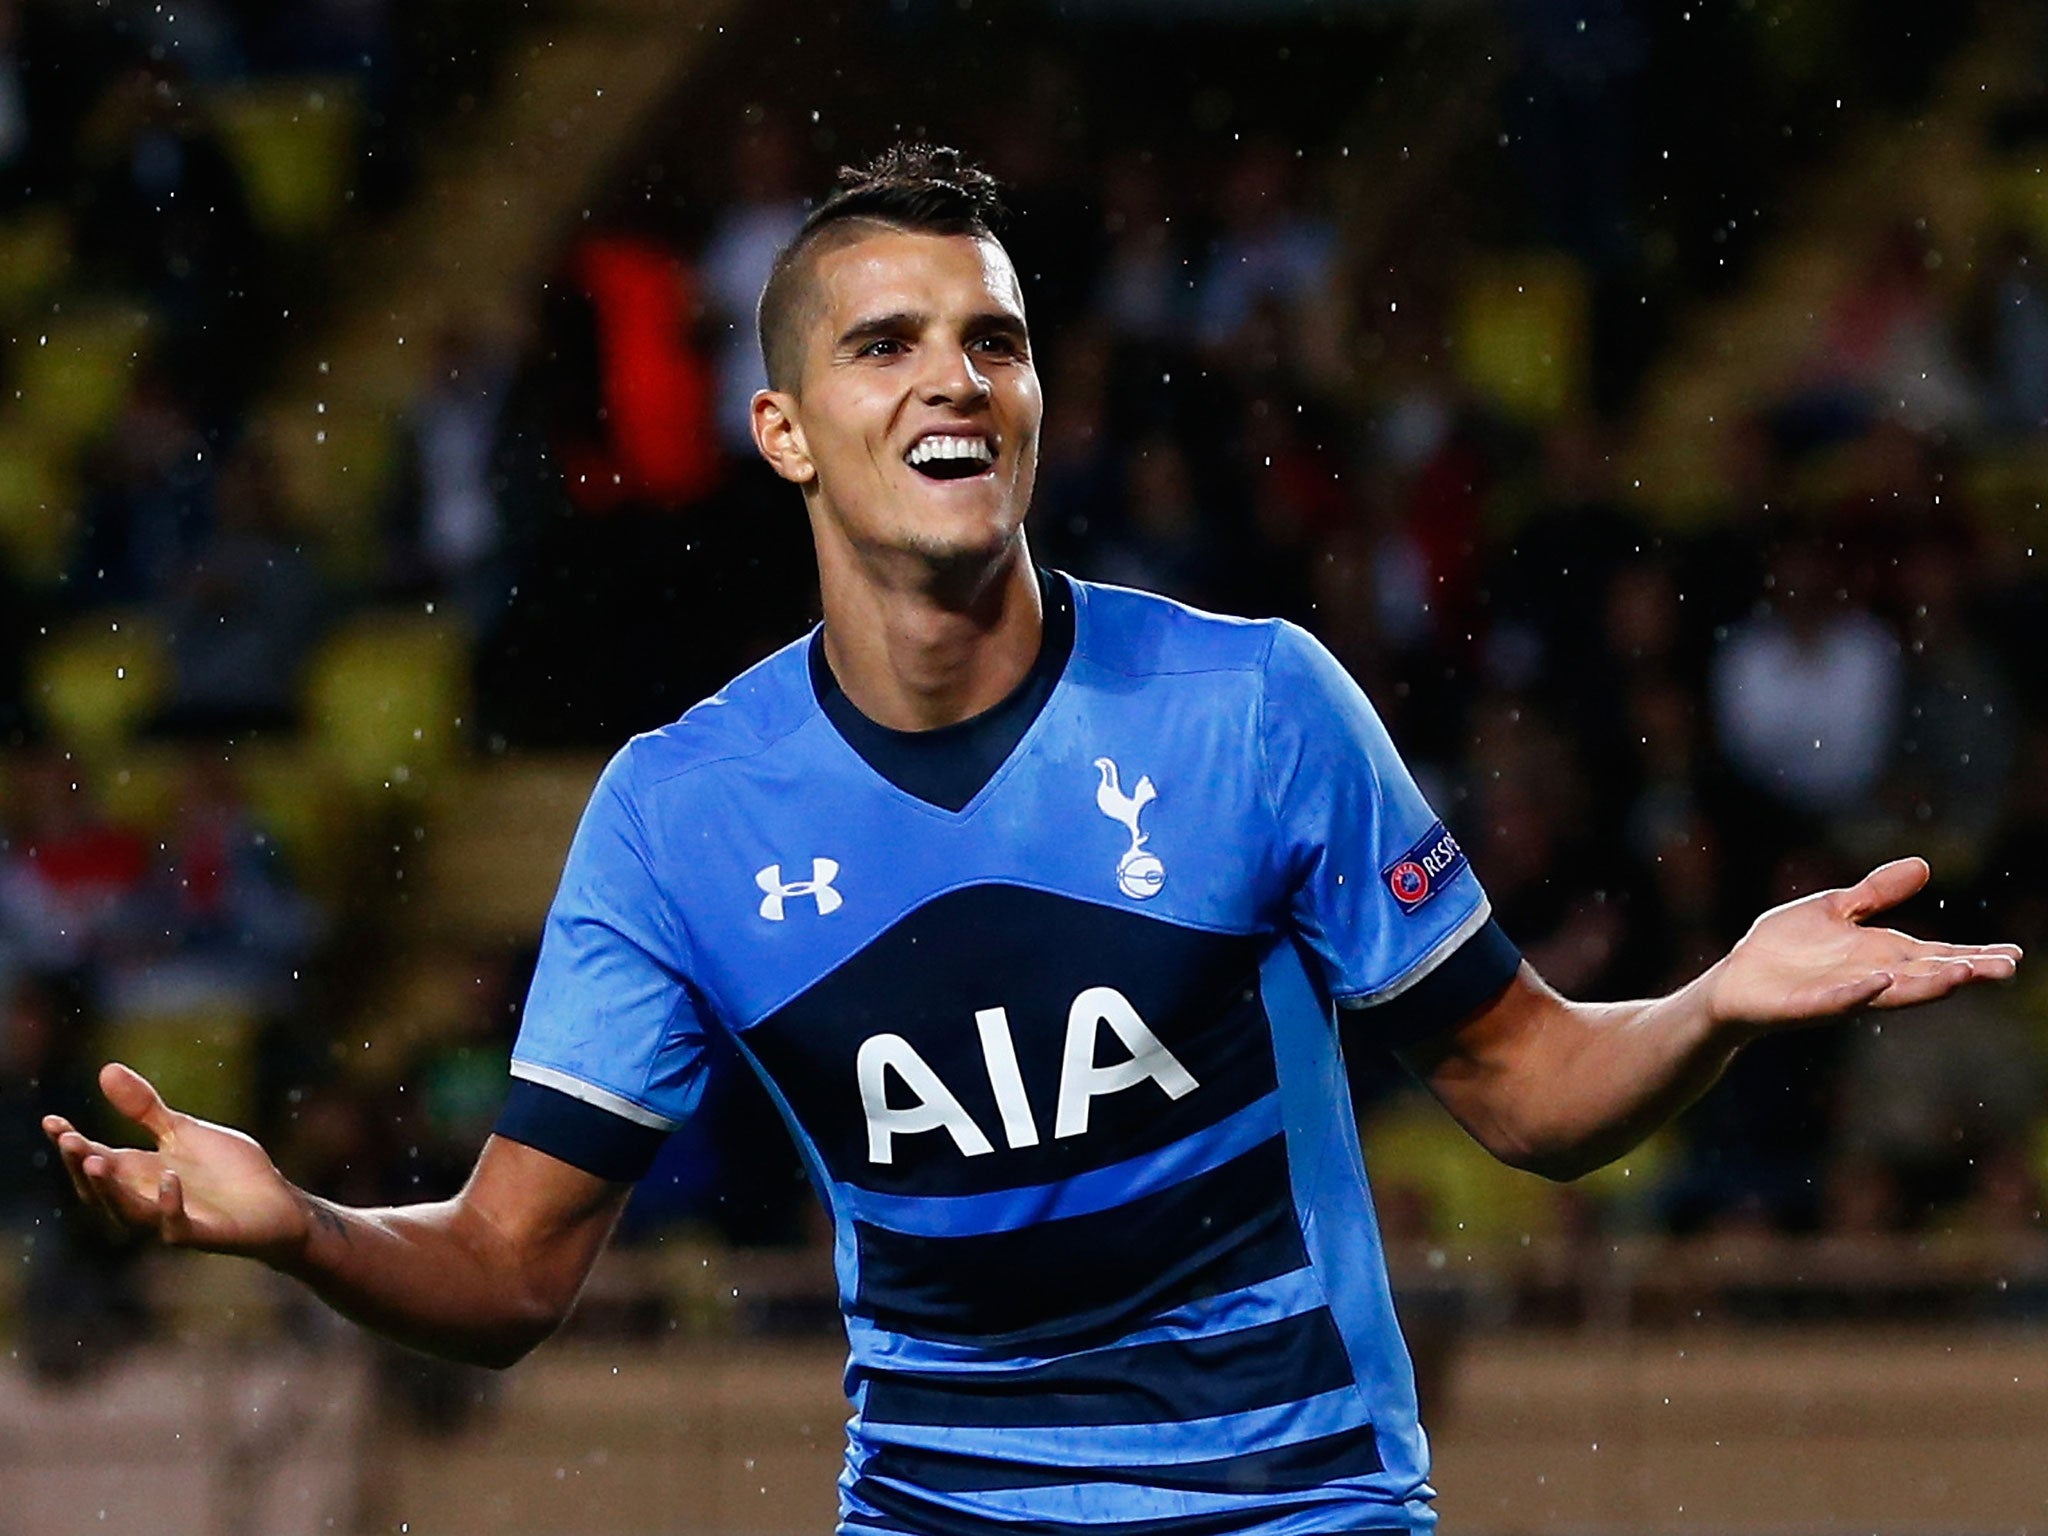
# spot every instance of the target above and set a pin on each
(445, 533)
(1930, 1106)
(1143, 290)
(80, 1297)
(1956, 745)
(1555, 878)
(762, 210)
(204, 37)
(1270, 250)
(1553, 581)
(148, 504)
(14, 118)
(1161, 543)
(2015, 345)
(1297, 499)
(1807, 692)
(1572, 109)
(1887, 349)
(220, 916)
(1081, 452)
(18, 628)
(69, 879)
(245, 612)
(1757, 1147)
(321, 35)
(1036, 135)
(160, 212)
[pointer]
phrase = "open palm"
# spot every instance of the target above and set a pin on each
(204, 1186)
(1813, 958)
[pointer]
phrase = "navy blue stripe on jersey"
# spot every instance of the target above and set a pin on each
(1006, 1210)
(1140, 1445)
(926, 979)
(947, 767)
(881, 1525)
(1265, 1301)
(1465, 981)
(1284, 1469)
(893, 1509)
(582, 1135)
(1200, 1378)
(1219, 1231)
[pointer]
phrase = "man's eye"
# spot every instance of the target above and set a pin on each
(881, 346)
(999, 346)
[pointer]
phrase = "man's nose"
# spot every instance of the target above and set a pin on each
(952, 378)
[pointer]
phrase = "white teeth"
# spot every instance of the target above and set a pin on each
(930, 448)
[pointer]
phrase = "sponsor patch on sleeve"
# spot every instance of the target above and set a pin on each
(1425, 869)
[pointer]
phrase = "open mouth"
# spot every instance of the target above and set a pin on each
(942, 457)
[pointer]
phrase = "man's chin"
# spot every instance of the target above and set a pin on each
(986, 543)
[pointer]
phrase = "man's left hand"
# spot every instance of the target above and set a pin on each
(1813, 959)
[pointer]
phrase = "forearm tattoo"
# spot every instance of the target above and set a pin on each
(327, 1216)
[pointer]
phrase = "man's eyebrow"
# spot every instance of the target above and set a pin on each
(997, 322)
(902, 322)
(907, 322)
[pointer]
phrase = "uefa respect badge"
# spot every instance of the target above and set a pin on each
(1424, 869)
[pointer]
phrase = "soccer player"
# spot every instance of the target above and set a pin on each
(1035, 905)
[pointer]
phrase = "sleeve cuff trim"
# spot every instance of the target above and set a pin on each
(1443, 949)
(590, 1093)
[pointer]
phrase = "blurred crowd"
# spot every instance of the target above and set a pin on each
(1645, 729)
(169, 178)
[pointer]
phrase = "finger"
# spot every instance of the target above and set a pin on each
(123, 1185)
(173, 1224)
(1885, 886)
(1991, 961)
(134, 1096)
(1843, 996)
(76, 1148)
(72, 1151)
(1910, 948)
(1924, 981)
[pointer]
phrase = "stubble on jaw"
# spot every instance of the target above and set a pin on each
(955, 573)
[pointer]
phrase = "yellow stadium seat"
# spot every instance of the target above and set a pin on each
(388, 699)
(38, 500)
(98, 682)
(1636, 1177)
(139, 785)
(2019, 193)
(1523, 336)
(294, 143)
(201, 1056)
(35, 252)
(1469, 1196)
(296, 797)
(72, 371)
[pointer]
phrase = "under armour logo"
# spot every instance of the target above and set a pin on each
(818, 888)
(1138, 874)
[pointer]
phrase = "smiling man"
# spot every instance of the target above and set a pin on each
(1037, 906)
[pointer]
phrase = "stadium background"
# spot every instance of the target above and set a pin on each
(1648, 401)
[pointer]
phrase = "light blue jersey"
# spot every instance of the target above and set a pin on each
(1063, 1064)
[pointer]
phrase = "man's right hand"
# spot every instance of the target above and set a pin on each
(205, 1186)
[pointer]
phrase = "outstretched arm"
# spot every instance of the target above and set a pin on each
(1560, 1088)
(482, 1277)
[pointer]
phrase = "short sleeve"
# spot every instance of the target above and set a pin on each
(611, 1019)
(1381, 891)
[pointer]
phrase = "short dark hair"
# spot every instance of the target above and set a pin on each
(921, 188)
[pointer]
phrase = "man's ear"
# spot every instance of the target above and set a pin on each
(780, 437)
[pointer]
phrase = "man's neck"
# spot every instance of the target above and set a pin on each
(918, 654)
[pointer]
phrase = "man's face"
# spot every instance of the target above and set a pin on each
(917, 411)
